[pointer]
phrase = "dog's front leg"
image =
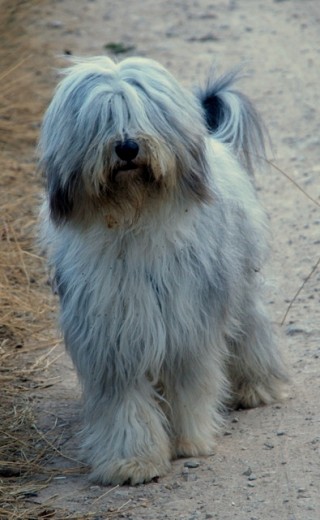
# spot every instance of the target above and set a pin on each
(195, 393)
(126, 439)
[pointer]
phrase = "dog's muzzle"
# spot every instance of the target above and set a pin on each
(131, 165)
(127, 151)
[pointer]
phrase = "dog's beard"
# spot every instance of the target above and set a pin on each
(128, 190)
(124, 189)
(131, 172)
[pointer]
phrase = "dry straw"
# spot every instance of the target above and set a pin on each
(26, 308)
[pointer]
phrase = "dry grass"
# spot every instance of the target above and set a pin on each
(26, 308)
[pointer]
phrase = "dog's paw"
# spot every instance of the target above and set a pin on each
(185, 447)
(131, 471)
(252, 395)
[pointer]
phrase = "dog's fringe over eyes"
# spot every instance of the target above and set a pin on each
(154, 234)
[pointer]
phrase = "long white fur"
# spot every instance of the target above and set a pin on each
(161, 306)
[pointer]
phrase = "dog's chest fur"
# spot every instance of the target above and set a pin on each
(156, 287)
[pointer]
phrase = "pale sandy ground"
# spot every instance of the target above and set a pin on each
(279, 42)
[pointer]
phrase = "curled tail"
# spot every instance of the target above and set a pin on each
(232, 119)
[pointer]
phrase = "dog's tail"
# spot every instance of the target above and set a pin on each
(231, 118)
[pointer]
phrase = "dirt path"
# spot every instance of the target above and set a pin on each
(267, 464)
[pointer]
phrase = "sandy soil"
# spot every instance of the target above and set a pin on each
(267, 464)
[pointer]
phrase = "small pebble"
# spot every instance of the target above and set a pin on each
(292, 330)
(247, 473)
(191, 464)
(55, 24)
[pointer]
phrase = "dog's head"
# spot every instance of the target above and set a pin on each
(118, 135)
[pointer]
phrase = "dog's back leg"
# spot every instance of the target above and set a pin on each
(257, 371)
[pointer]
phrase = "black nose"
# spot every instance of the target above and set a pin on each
(127, 150)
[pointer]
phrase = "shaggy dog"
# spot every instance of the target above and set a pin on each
(156, 239)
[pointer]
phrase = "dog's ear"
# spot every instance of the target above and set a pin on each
(194, 185)
(61, 194)
(194, 170)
